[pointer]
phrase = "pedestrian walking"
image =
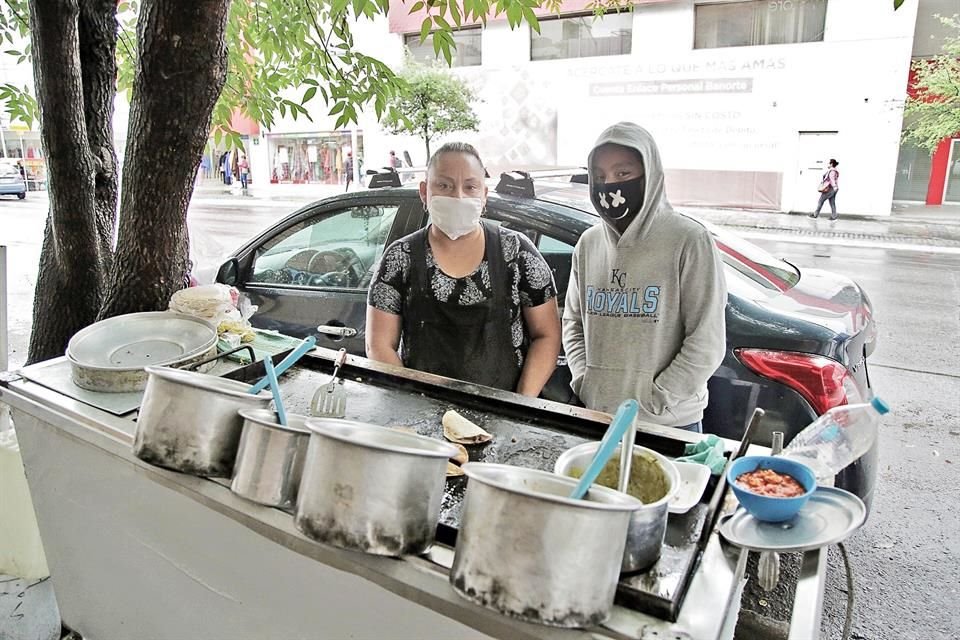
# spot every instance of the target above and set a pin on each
(829, 186)
(244, 167)
(348, 169)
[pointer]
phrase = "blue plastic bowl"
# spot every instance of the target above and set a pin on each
(768, 508)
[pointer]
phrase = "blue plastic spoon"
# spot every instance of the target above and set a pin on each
(308, 343)
(275, 388)
(626, 414)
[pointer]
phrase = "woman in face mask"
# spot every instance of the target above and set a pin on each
(464, 298)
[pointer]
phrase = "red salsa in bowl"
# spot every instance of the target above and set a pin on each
(767, 482)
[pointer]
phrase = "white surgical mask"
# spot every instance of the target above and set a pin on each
(455, 217)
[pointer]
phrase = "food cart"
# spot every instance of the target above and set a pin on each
(136, 550)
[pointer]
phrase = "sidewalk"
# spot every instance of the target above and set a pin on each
(910, 224)
(913, 225)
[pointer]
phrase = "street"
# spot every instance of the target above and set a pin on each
(904, 560)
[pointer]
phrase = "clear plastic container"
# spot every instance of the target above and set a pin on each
(837, 438)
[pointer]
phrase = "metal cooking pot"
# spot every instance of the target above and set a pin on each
(370, 488)
(110, 356)
(270, 458)
(527, 550)
(189, 422)
(648, 525)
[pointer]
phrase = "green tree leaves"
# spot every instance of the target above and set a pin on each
(276, 47)
(431, 102)
(932, 112)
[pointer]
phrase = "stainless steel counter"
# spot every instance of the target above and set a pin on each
(136, 550)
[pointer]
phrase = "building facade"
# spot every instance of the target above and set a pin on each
(747, 99)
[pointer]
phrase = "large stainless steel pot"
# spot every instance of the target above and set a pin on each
(189, 422)
(527, 550)
(111, 355)
(370, 488)
(648, 525)
(270, 458)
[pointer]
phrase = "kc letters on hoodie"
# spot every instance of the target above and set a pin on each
(644, 314)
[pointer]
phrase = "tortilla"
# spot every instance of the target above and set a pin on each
(453, 470)
(462, 455)
(458, 429)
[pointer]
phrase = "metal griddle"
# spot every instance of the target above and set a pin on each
(522, 436)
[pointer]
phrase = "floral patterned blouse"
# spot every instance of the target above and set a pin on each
(532, 281)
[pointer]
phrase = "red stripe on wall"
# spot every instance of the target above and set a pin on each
(938, 172)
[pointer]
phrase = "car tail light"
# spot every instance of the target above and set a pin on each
(823, 382)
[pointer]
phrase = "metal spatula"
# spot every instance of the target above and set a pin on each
(330, 399)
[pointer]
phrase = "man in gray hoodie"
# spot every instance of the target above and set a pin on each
(644, 315)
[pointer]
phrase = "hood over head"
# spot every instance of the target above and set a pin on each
(636, 138)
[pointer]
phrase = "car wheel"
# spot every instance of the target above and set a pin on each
(21, 195)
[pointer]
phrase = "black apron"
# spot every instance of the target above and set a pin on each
(471, 343)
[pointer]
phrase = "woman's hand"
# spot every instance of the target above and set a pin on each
(543, 327)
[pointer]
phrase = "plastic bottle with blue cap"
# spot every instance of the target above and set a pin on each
(837, 438)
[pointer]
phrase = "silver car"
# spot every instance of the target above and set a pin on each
(11, 182)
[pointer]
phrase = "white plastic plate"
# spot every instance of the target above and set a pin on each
(693, 480)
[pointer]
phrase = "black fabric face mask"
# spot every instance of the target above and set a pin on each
(619, 202)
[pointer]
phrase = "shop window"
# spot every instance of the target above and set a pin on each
(913, 174)
(322, 157)
(759, 22)
(467, 54)
(582, 36)
(333, 250)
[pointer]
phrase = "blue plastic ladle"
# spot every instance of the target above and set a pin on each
(308, 343)
(275, 388)
(625, 416)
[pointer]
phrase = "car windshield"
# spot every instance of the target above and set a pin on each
(8, 170)
(744, 257)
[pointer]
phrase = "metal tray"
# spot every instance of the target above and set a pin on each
(137, 340)
(830, 516)
(110, 355)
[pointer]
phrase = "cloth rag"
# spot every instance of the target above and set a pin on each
(708, 451)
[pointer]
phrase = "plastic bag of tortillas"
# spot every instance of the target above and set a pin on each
(214, 303)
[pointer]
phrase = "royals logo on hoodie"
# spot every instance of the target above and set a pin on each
(621, 300)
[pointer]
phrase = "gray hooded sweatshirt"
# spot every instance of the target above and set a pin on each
(644, 314)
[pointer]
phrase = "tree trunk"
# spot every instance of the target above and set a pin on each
(70, 278)
(426, 141)
(182, 68)
(98, 67)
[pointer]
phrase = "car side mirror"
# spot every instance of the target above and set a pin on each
(229, 272)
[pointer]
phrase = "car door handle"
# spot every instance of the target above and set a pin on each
(337, 332)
